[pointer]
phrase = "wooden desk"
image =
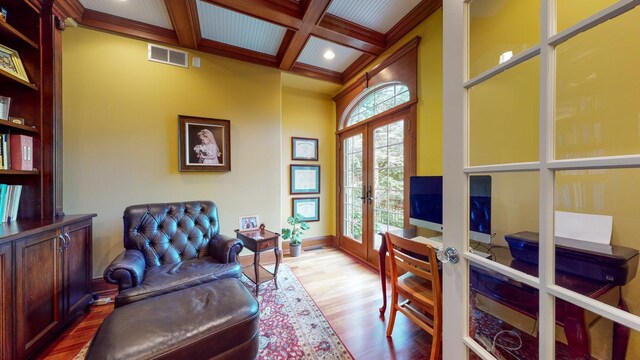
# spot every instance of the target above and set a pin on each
(524, 299)
(259, 241)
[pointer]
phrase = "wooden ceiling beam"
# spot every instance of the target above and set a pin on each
(238, 53)
(128, 27)
(184, 18)
(343, 32)
(317, 73)
(68, 8)
(312, 16)
(417, 15)
(268, 11)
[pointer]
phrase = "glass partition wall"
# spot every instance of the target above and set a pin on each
(542, 97)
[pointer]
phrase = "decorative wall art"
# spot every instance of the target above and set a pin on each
(308, 208)
(304, 149)
(305, 179)
(204, 144)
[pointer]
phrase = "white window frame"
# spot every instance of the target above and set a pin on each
(456, 170)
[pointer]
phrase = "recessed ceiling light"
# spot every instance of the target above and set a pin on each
(329, 55)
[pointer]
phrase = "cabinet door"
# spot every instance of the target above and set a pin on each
(38, 275)
(6, 300)
(77, 267)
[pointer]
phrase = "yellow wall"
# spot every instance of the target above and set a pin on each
(429, 132)
(596, 115)
(311, 115)
(121, 134)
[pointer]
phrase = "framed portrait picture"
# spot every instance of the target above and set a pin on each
(204, 144)
(251, 222)
(304, 149)
(10, 63)
(305, 179)
(5, 102)
(308, 208)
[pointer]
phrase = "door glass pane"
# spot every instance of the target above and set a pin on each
(502, 315)
(592, 258)
(499, 30)
(388, 173)
(570, 12)
(597, 90)
(352, 188)
(503, 116)
(500, 205)
(605, 339)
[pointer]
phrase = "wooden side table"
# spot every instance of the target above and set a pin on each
(259, 241)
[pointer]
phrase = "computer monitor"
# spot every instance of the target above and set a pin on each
(425, 205)
(480, 208)
(425, 202)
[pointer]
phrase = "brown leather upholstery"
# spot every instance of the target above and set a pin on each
(216, 320)
(169, 247)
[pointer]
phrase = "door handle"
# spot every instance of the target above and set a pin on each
(62, 241)
(68, 242)
(369, 198)
(449, 254)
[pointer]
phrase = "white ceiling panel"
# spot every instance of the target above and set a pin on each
(229, 27)
(314, 49)
(378, 15)
(152, 12)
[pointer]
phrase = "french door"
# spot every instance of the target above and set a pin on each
(376, 160)
(541, 95)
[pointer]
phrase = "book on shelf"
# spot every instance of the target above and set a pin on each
(5, 151)
(21, 152)
(9, 202)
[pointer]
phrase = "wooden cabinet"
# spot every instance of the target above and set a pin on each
(6, 300)
(77, 266)
(52, 275)
(38, 274)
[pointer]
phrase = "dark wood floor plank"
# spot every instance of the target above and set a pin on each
(346, 291)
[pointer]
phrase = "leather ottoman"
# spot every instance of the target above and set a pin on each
(216, 320)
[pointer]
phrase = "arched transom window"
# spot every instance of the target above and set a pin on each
(378, 100)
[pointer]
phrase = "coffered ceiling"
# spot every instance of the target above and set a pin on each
(292, 35)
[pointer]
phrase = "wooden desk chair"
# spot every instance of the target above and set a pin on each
(420, 286)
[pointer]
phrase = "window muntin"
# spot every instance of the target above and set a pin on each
(378, 100)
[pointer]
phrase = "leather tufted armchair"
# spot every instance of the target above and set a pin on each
(169, 247)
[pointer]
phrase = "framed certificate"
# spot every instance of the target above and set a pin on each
(308, 208)
(305, 179)
(304, 149)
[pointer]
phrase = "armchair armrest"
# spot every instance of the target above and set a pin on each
(225, 249)
(126, 270)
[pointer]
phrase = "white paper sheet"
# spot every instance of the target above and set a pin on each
(586, 227)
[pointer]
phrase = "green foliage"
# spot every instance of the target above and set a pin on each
(296, 231)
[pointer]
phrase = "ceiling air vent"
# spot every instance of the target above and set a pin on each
(168, 56)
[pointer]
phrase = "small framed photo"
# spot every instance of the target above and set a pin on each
(305, 179)
(10, 63)
(251, 222)
(204, 144)
(304, 149)
(308, 208)
(5, 101)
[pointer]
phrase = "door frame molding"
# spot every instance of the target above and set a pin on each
(409, 115)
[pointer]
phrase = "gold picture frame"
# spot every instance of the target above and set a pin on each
(10, 63)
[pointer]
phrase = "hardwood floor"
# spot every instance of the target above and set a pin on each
(346, 291)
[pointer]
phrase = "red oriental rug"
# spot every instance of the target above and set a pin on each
(291, 325)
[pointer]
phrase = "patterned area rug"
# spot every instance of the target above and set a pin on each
(291, 325)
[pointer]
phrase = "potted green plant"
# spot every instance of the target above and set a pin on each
(295, 233)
